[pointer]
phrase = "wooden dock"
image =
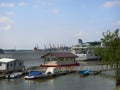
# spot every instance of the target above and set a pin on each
(96, 69)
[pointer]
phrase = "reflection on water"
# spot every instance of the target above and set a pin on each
(70, 82)
(110, 74)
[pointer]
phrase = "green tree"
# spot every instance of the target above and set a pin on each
(110, 52)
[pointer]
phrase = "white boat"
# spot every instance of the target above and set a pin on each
(85, 51)
(14, 75)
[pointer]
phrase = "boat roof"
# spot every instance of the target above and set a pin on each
(6, 60)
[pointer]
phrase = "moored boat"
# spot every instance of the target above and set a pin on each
(84, 72)
(34, 75)
(85, 51)
(14, 75)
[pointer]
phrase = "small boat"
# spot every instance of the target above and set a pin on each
(34, 75)
(85, 72)
(13, 75)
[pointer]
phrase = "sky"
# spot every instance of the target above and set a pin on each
(25, 24)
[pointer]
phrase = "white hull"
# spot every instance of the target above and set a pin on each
(35, 77)
(14, 75)
(86, 57)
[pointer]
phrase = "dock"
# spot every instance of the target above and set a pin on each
(96, 69)
(93, 70)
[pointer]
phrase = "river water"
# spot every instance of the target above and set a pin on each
(66, 82)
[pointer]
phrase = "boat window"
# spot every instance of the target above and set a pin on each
(14, 63)
(11, 64)
(66, 58)
(90, 52)
(8, 65)
(61, 59)
(83, 52)
(47, 59)
(55, 59)
(77, 52)
(20, 63)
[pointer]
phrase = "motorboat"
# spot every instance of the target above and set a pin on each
(34, 75)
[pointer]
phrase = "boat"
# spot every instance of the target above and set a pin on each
(34, 75)
(85, 51)
(14, 75)
(85, 72)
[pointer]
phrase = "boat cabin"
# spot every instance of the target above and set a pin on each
(59, 59)
(10, 65)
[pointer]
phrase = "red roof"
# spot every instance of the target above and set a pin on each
(60, 54)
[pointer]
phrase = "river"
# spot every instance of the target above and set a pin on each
(66, 82)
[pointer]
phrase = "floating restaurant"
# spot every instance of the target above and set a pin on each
(59, 59)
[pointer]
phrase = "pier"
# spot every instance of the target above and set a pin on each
(93, 69)
(96, 69)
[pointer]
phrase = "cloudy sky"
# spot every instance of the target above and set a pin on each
(26, 23)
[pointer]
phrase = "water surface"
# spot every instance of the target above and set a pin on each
(67, 82)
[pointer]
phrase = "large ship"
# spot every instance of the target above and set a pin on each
(85, 51)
